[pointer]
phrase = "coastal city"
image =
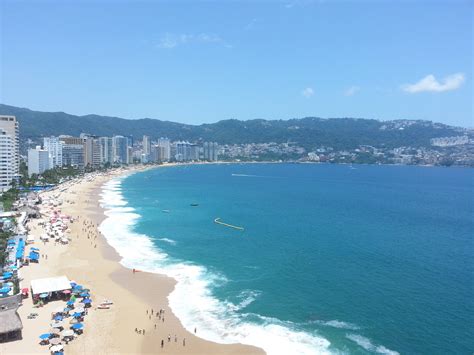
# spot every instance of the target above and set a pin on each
(54, 282)
(236, 177)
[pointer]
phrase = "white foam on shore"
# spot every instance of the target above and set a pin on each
(192, 300)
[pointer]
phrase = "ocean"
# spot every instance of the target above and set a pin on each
(332, 258)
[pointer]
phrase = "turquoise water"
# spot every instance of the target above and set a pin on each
(372, 259)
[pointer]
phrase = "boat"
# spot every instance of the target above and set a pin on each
(194, 204)
(165, 211)
(106, 303)
(103, 306)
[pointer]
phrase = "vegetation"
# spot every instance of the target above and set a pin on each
(52, 176)
(9, 197)
(3, 245)
(310, 132)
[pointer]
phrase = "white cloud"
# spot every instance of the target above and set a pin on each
(352, 91)
(172, 40)
(307, 92)
(430, 84)
(251, 24)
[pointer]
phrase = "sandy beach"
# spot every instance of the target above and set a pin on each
(90, 261)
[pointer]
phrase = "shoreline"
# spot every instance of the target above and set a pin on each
(90, 260)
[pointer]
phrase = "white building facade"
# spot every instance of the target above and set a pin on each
(55, 148)
(38, 161)
(9, 151)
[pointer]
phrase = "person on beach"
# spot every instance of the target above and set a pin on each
(162, 343)
(175, 338)
(169, 338)
(184, 341)
(195, 330)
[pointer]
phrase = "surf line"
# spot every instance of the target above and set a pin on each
(218, 221)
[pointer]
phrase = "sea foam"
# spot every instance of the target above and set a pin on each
(367, 344)
(192, 300)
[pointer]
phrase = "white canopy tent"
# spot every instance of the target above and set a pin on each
(50, 284)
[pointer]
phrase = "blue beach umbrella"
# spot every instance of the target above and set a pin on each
(77, 315)
(58, 318)
(44, 295)
(7, 275)
(84, 294)
(78, 287)
(77, 326)
(5, 289)
(70, 303)
(45, 336)
(86, 300)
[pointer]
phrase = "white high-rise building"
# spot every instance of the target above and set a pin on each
(9, 151)
(55, 148)
(38, 160)
(165, 144)
(146, 145)
(210, 151)
(106, 150)
(121, 151)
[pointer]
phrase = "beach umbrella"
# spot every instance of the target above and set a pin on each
(67, 292)
(70, 302)
(77, 315)
(45, 336)
(55, 341)
(7, 275)
(78, 287)
(43, 295)
(67, 333)
(5, 289)
(84, 294)
(58, 318)
(77, 326)
(86, 301)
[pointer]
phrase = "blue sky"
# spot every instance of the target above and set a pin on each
(198, 62)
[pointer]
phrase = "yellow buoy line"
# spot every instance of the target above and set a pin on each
(218, 221)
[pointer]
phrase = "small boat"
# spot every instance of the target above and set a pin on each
(165, 211)
(103, 306)
(107, 302)
(194, 204)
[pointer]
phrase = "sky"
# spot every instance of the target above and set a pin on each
(204, 61)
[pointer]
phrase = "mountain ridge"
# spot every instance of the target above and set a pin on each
(308, 132)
